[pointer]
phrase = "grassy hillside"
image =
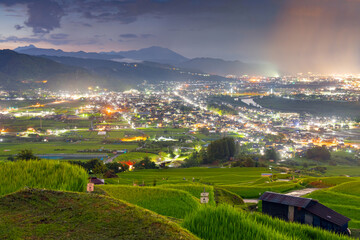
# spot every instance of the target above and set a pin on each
(193, 189)
(343, 198)
(38, 214)
(223, 196)
(226, 223)
(41, 174)
(167, 202)
(352, 188)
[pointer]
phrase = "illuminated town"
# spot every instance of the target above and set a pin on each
(241, 108)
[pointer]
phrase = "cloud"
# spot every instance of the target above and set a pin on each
(18, 27)
(147, 35)
(59, 36)
(15, 39)
(43, 15)
(128, 35)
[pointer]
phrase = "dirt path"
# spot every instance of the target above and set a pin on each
(295, 193)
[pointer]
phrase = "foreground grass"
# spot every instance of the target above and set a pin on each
(41, 174)
(167, 202)
(226, 223)
(43, 214)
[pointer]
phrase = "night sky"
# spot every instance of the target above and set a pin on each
(296, 35)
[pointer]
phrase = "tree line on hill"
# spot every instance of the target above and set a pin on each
(226, 150)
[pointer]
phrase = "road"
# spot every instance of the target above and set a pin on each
(109, 160)
(295, 193)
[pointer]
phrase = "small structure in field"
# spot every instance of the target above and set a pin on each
(266, 174)
(304, 210)
(97, 181)
(204, 197)
(90, 187)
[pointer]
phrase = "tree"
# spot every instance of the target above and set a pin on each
(204, 131)
(318, 153)
(221, 149)
(192, 161)
(99, 168)
(115, 167)
(146, 163)
(26, 155)
(271, 154)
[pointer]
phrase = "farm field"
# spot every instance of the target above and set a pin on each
(165, 201)
(10, 149)
(217, 176)
(353, 171)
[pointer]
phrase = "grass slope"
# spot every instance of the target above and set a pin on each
(226, 223)
(167, 202)
(223, 196)
(41, 174)
(352, 188)
(193, 189)
(38, 214)
(343, 198)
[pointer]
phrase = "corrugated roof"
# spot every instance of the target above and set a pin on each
(285, 199)
(315, 207)
(326, 213)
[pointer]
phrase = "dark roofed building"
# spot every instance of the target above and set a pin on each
(303, 210)
(97, 181)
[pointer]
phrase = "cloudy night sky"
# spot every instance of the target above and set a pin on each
(296, 35)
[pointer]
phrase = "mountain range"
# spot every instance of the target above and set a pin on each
(164, 56)
(19, 70)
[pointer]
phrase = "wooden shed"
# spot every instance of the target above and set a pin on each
(303, 210)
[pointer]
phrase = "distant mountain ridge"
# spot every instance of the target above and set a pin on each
(32, 50)
(162, 55)
(20, 70)
(152, 54)
(155, 54)
(23, 71)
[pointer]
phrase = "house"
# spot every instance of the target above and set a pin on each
(303, 210)
(97, 181)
